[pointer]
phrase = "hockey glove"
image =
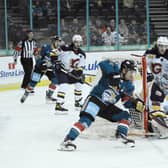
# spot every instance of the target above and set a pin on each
(59, 66)
(139, 105)
(77, 72)
(45, 65)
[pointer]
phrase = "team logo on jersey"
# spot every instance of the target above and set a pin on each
(156, 68)
(74, 62)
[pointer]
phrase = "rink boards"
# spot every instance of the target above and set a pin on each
(11, 76)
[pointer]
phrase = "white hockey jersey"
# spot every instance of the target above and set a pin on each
(159, 68)
(71, 61)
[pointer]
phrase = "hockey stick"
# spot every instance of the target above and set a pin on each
(75, 77)
(136, 55)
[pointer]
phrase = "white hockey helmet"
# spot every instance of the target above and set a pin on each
(77, 40)
(162, 44)
(162, 40)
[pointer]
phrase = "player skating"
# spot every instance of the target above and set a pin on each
(45, 65)
(70, 72)
(114, 83)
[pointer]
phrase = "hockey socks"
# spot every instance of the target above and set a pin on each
(122, 132)
(28, 90)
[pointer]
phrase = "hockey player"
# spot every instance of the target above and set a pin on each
(157, 60)
(45, 64)
(114, 83)
(71, 74)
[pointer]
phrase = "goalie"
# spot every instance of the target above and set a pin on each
(157, 60)
(114, 82)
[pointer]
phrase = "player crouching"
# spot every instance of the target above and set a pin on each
(114, 83)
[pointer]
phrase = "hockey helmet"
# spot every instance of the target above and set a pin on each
(77, 38)
(56, 38)
(162, 44)
(162, 40)
(128, 65)
(56, 41)
(77, 41)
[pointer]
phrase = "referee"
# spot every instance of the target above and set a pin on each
(26, 49)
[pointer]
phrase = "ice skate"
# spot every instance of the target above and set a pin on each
(49, 98)
(59, 109)
(32, 92)
(24, 97)
(67, 146)
(125, 140)
(78, 104)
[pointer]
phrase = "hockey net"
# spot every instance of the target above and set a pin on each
(102, 128)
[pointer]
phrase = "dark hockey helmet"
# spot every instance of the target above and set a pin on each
(56, 38)
(128, 65)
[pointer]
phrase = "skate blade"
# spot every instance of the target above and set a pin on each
(130, 144)
(68, 148)
(126, 143)
(57, 112)
(50, 102)
(65, 150)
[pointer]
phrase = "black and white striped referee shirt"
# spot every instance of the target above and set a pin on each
(26, 49)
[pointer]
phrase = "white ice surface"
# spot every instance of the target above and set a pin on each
(30, 134)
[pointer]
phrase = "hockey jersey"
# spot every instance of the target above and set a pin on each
(125, 87)
(158, 66)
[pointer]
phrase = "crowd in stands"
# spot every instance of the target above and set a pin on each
(102, 25)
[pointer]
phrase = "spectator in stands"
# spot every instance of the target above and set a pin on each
(142, 33)
(123, 29)
(133, 32)
(128, 4)
(107, 37)
(112, 25)
(114, 38)
(37, 12)
(75, 26)
(46, 8)
(96, 37)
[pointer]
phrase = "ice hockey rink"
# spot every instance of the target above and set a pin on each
(30, 134)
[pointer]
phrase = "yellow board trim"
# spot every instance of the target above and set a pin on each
(15, 86)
